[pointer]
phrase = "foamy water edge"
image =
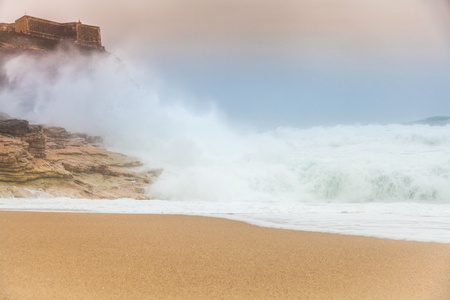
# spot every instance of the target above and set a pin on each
(401, 221)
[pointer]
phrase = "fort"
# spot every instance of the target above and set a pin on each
(76, 32)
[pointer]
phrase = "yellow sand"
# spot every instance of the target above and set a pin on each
(113, 256)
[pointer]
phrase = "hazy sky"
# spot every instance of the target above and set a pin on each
(278, 63)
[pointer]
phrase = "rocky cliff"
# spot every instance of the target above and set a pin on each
(38, 160)
(12, 43)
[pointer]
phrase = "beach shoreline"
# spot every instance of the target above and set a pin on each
(45, 255)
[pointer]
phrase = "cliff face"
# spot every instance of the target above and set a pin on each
(12, 43)
(43, 161)
(38, 160)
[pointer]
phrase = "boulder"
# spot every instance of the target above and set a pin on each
(14, 127)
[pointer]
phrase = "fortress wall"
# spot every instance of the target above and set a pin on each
(88, 35)
(21, 25)
(69, 30)
(47, 29)
(85, 35)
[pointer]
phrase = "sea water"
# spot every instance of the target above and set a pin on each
(389, 181)
(385, 180)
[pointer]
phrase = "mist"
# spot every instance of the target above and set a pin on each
(273, 64)
(101, 95)
(207, 156)
(252, 100)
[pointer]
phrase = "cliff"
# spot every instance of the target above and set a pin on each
(38, 160)
(11, 43)
(43, 161)
(16, 43)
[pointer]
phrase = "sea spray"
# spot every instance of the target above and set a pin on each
(206, 159)
(373, 163)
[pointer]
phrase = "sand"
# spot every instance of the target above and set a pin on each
(115, 256)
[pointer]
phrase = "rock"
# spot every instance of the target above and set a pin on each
(36, 143)
(31, 134)
(18, 165)
(90, 168)
(14, 127)
(57, 133)
(38, 161)
(57, 137)
(4, 116)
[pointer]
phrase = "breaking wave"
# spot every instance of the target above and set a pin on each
(205, 158)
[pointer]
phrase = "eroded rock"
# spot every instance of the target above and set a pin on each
(42, 160)
(14, 127)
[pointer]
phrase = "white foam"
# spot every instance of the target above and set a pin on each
(382, 180)
(373, 163)
(404, 221)
(206, 159)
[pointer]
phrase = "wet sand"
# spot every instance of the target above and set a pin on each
(114, 256)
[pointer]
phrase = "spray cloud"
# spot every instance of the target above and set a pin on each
(206, 159)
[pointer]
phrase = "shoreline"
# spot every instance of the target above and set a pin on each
(219, 216)
(112, 256)
(398, 221)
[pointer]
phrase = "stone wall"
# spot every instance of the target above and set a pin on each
(88, 35)
(79, 33)
(21, 25)
(43, 29)
(69, 30)
(46, 29)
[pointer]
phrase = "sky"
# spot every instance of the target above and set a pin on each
(279, 63)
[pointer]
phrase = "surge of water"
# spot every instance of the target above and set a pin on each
(391, 163)
(205, 159)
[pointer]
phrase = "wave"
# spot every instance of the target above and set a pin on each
(206, 159)
(373, 163)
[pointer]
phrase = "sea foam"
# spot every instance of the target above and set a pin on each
(358, 164)
(403, 221)
(205, 158)
(379, 180)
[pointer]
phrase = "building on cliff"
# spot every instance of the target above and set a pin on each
(78, 33)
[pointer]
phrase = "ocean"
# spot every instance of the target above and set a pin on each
(384, 180)
(388, 181)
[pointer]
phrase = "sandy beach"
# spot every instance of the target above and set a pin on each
(115, 256)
